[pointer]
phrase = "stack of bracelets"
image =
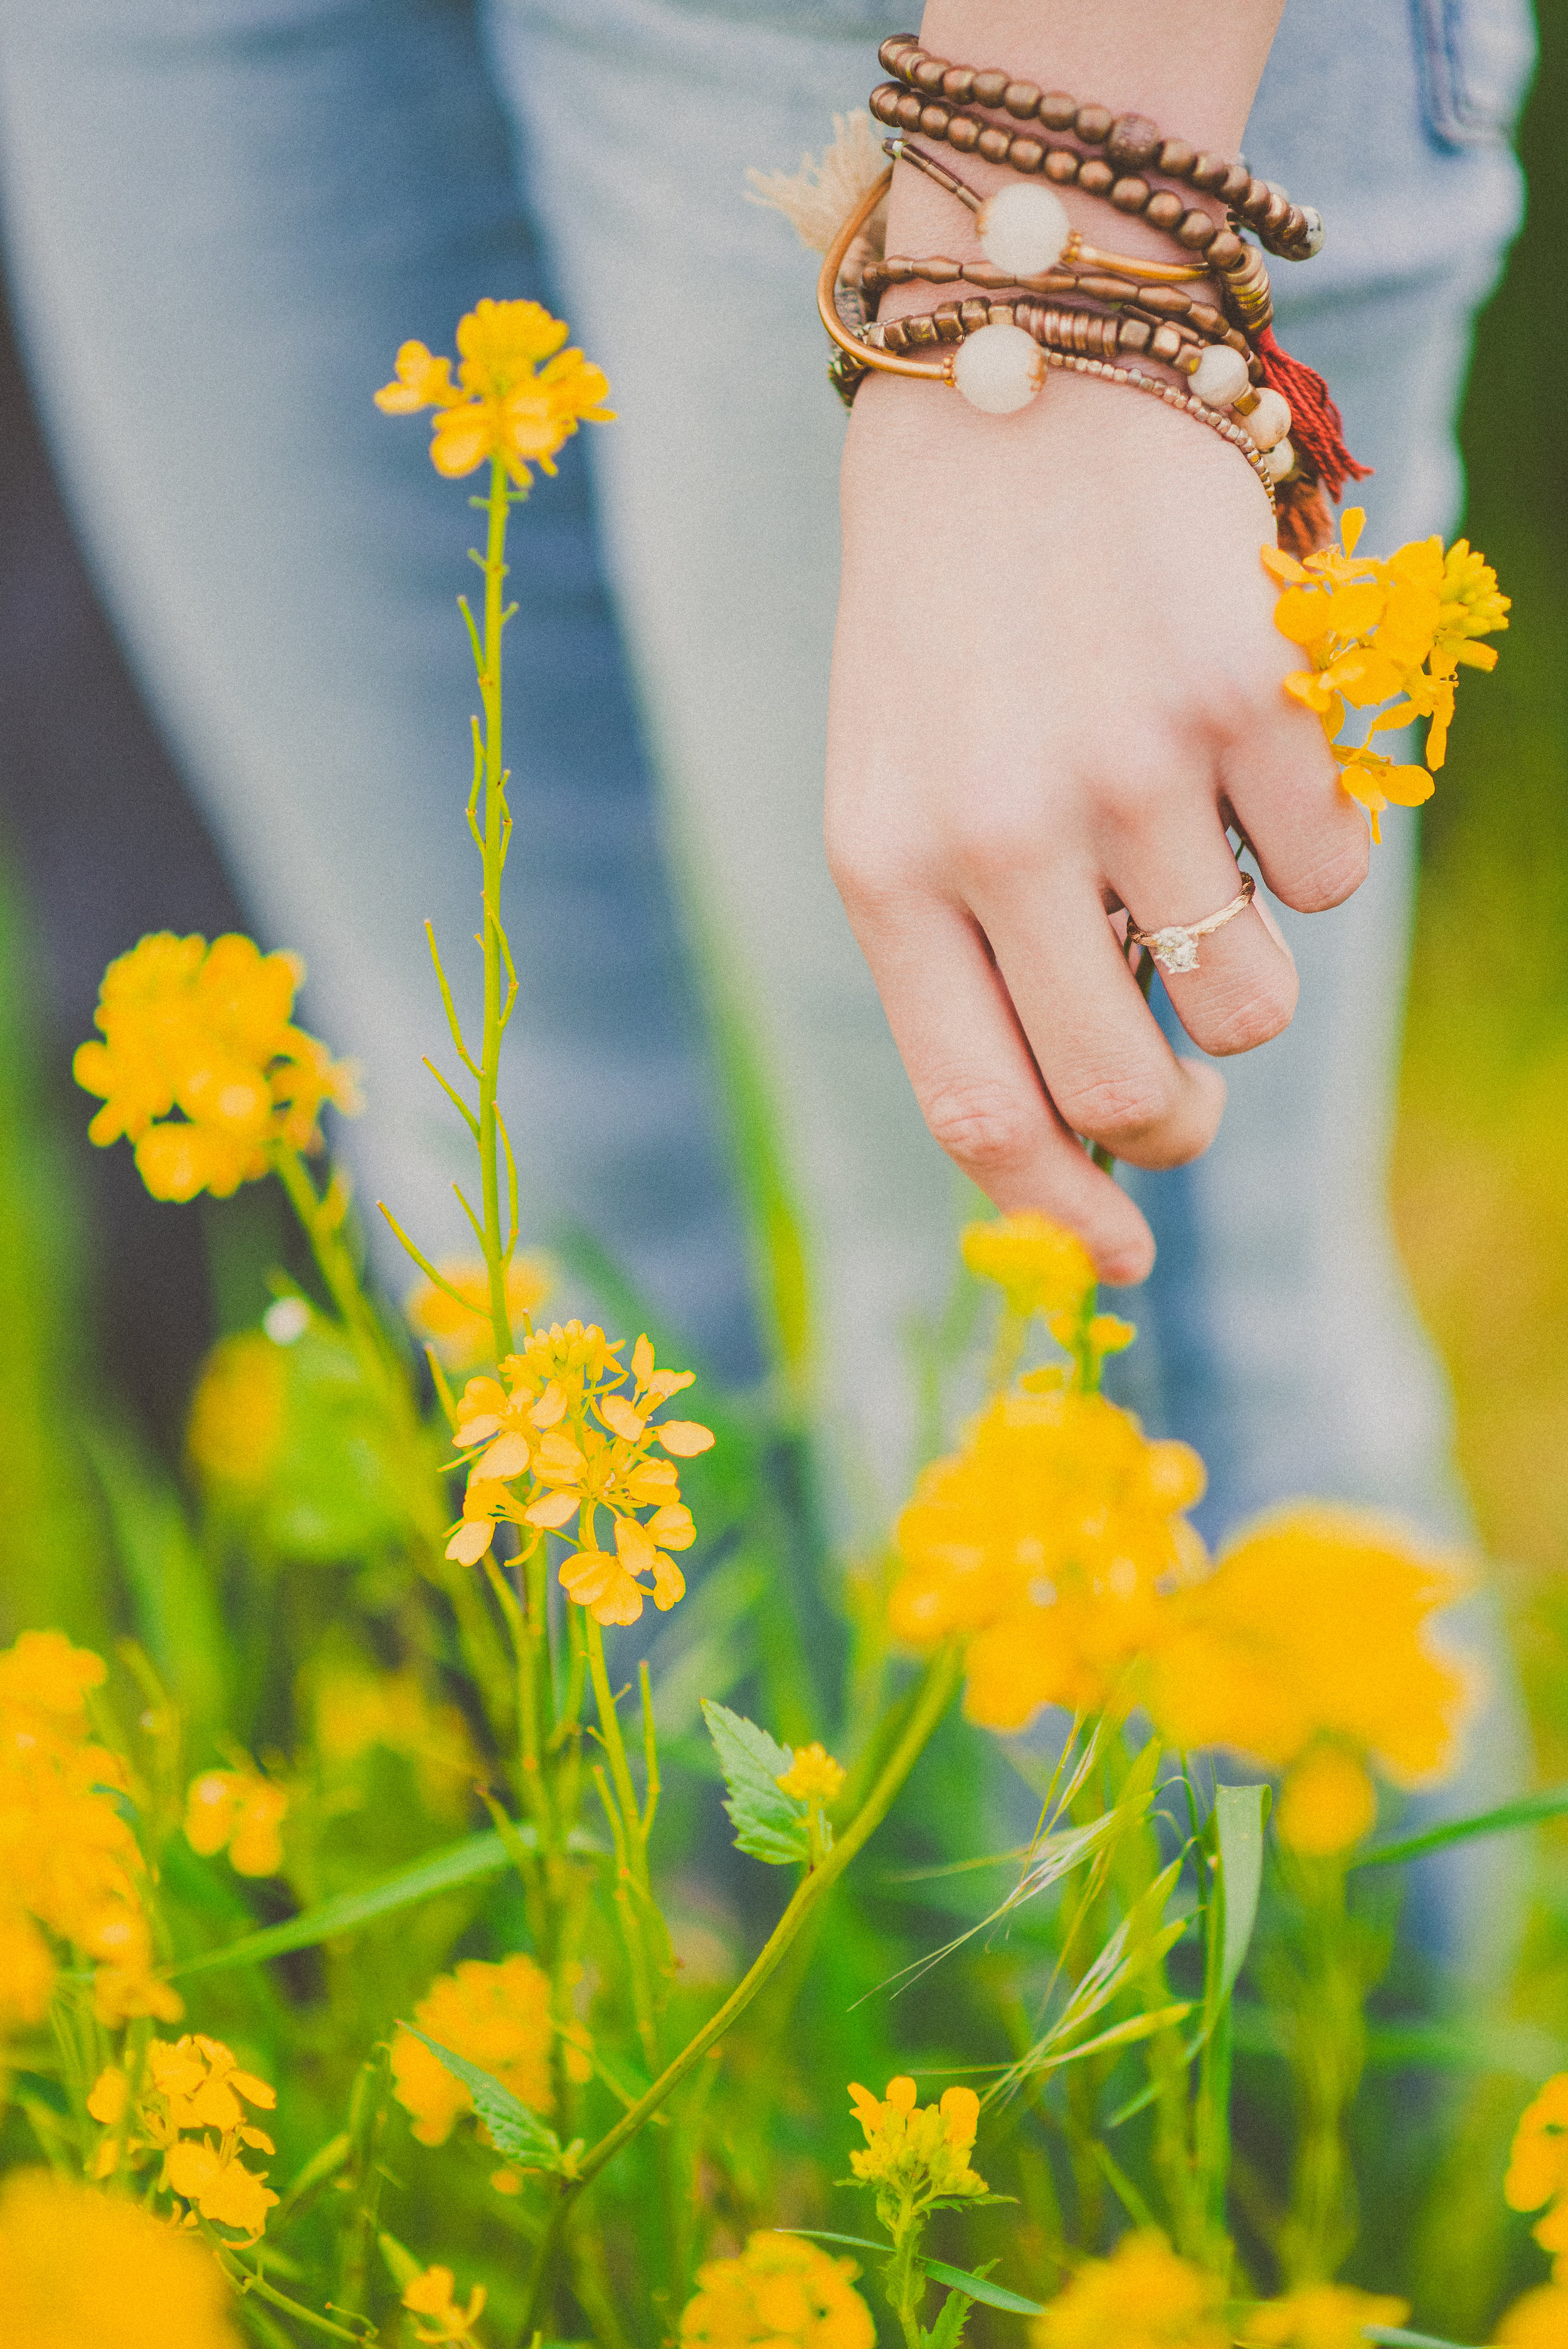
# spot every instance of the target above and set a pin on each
(1043, 299)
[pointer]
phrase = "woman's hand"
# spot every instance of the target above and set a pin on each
(1056, 680)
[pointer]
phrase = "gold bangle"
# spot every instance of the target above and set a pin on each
(883, 362)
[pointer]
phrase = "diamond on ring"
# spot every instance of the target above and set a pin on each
(1175, 947)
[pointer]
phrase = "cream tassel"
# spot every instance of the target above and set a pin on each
(818, 197)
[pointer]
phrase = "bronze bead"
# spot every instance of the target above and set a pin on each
(1164, 343)
(1197, 232)
(1177, 158)
(896, 335)
(929, 72)
(1168, 301)
(1237, 180)
(1209, 172)
(921, 330)
(893, 48)
(1278, 213)
(935, 118)
(1164, 210)
(1206, 318)
(1136, 335)
(1226, 249)
(1093, 124)
(949, 327)
(964, 132)
(1130, 195)
(937, 272)
(1020, 99)
(1108, 289)
(1253, 200)
(989, 86)
(974, 315)
(1027, 154)
(1096, 177)
(1134, 142)
(1057, 109)
(908, 110)
(999, 313)
(883, 101)
(1061, 166)
(993, 145)
(1293, 229)
(958, 84)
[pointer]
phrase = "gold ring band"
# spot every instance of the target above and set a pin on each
(1175, 947)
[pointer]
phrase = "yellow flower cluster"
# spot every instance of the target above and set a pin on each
(497, 2016)
(1142, 2297)
(239, 1412)
(80, 2267)
(1038, 1265)
(916, 2155)
(504, 403)
(206, 1032)
(1322, 2316)
(70, 1865)
(460, 1337)
(813, 1775)
(430, 2294)
(566, 1423)
(1538, 2171)
(1537, 2320)
(239, 1812)
(1258, 1657)
(1395, 632)
(191, 2108)
(781, 2292)
(1049, 1540)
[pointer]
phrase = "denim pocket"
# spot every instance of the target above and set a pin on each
(1477, 57)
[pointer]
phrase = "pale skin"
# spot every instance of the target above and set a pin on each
(1056, 681)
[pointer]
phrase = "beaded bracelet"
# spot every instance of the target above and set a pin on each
(1131, 143)
(1167, 301)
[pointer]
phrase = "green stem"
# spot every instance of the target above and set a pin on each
(494, 853)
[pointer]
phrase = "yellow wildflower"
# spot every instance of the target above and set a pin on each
(239, 1412)
(430, 2295)
(1257, 1657)
(356, 1710)
(1050, 1539)
(563, 1415)
(1327, 1803)
(1377, 630)
(460, 1337)
(70, 1861)
(1321, 2316)
(1142, 2297)
(239, 1811)
(781, 2292)
(206, 1032)
(504, 404)
(192, 2110)
(1040, 1267)
(1536, 2320)
(497, 2016)
(813, 1775)
(916, 2155)
(80, 2267)
(1538, 2168)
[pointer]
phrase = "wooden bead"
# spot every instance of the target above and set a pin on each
(1027, 154)
(993, 145)
(1237, 180)
(1020, 100)
(934, 118)
(1253, 200)
(1226, 249)
(1209, 172)
(1177, 158)
(964, 132)
(988, 88)
(1057, 109)
(928, 73)
(1130, 195)
(908, 111)
(1278, 213)
(1062, 166)
(1096, 177)
(883, 101)
(1164, 210)
(1134, 142)
(1197, 232)
(1294, 228)
(958, 84)
(896, 45)
(1093, 124)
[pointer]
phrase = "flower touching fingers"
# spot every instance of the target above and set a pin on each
(518, 396)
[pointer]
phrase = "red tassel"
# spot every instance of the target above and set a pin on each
(1302, 517)
(1317, 427)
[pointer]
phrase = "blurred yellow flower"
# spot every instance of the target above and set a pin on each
(356, 1709)
(430, 2295)
(1321, 2316)
(1142, 2297)
(781, 2292)
(69, 1862)
(78, 2268)
(1538, 2168)
(239, 1412)
(1051, 1539)
(463, 1339)
(1327, 1803)
(562, 1414)
(914, 2153)
(1040, 1267)
(1258, 1657)
(206, 1032)
(495, 2015)
(813, 1775)
(505, 403)
(1536, 2320)
(241, 1812)
(193, 2112)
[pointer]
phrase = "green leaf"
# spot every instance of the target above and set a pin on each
(1398, 2340)
(769, 1823)
(1238, 1819)
(468, 1862)
(821, 2235)
(948, 2330)
(980, 2288)
(1528, 1812)
(518, 2133)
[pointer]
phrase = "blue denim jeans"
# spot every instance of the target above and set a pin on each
(223, 216)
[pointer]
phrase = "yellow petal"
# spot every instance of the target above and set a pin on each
(684, 1437)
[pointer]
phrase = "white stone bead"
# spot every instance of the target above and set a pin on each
(1023, 228)
(1279, 459)
(1270, 420)
(998, 369)
(1220, 376)
(1312, 243)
